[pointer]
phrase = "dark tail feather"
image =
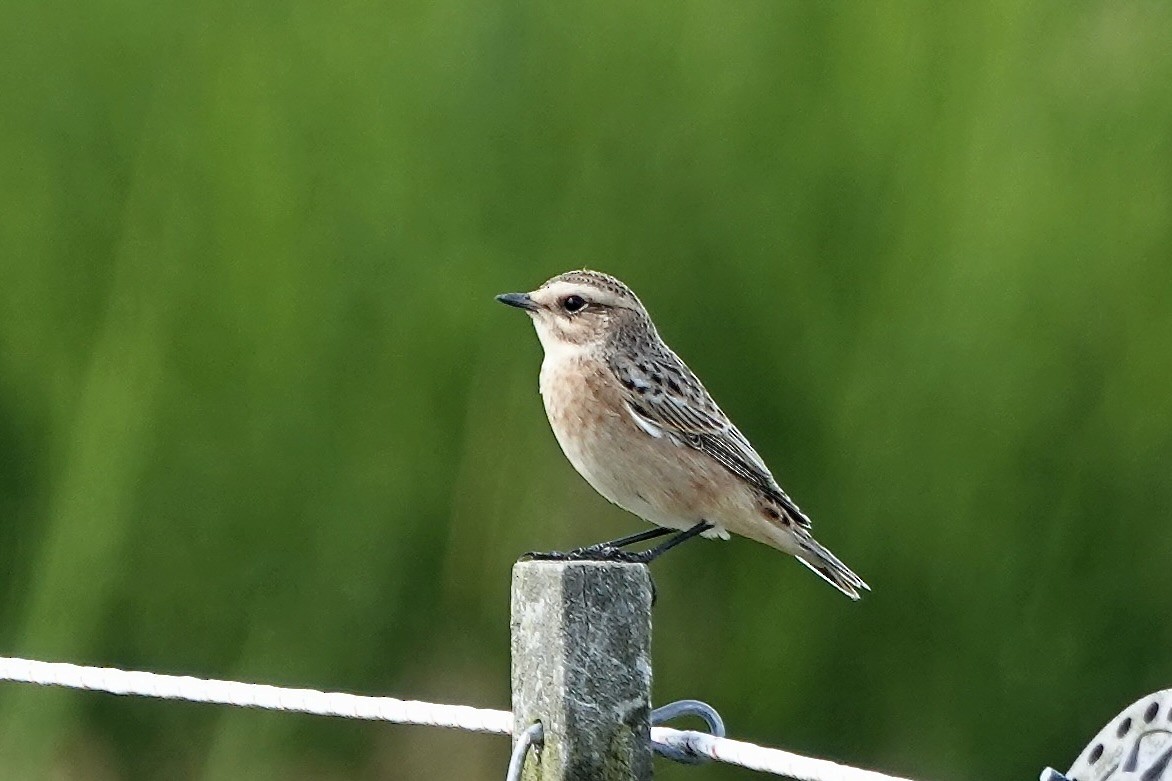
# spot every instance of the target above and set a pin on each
(829, 568)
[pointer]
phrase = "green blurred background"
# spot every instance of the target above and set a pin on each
(260, 417)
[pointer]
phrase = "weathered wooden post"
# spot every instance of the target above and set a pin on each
(582, 667)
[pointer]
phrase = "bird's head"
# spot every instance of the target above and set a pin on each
(578, 309)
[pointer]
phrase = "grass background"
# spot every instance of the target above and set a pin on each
(260, 417)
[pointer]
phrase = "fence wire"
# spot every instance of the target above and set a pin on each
(253, 695)
(354, 706)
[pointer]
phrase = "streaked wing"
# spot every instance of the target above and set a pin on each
(666, 399)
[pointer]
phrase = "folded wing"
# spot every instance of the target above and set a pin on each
(667, 400)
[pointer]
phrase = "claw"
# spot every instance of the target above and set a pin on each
(593, 553)
(554, 555)
(642, 557)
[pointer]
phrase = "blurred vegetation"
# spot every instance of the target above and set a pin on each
(260, 417)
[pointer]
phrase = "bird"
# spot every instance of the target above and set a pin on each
(643, 431)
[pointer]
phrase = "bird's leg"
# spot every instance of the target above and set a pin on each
(630, 539)
(609, 551)
(599, 551)
(651, 554)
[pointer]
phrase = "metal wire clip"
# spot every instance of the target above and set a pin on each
(686, 708)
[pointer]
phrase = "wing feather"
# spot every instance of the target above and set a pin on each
(667, 399)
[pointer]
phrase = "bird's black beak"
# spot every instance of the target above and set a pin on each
(519, 300)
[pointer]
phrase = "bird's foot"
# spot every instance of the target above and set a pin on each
(592, 553)
(626, 557)
(553, 555)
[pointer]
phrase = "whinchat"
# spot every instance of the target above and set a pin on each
(640, 427)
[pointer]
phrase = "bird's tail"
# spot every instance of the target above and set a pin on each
(829, 568)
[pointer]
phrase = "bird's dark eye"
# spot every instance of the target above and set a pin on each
(573, 303)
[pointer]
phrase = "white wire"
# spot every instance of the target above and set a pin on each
(353, 706)
(251, 695)
(767, 760)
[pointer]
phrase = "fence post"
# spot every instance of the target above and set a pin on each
(581, 643)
